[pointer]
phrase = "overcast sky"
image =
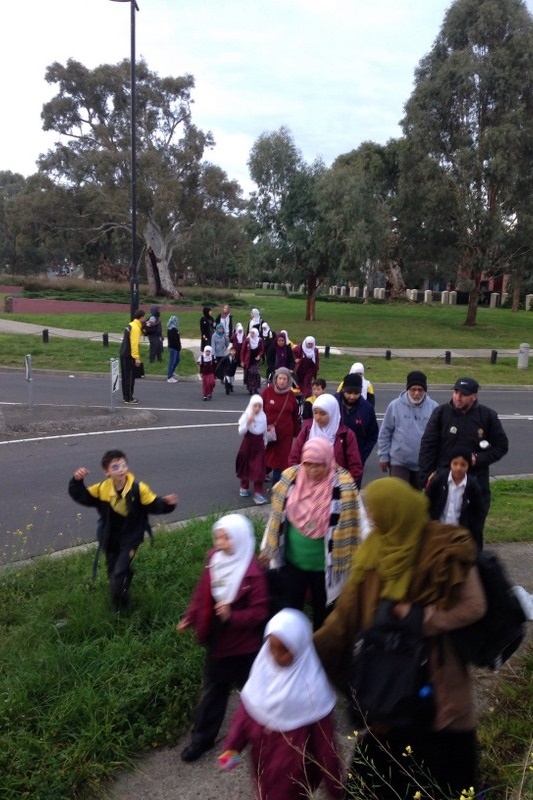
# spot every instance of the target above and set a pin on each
(335, 72)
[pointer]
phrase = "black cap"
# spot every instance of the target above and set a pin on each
(466, 386)
(417, 378)
(352, 383)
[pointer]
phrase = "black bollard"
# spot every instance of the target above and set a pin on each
(105, 339)
(45, 336)
(387, 355)
(326, 351)
(447, 357)
(493, 356)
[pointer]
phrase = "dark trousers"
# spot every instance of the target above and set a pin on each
(295, 584)
(120, 575)
(441, 762)
(127, 376)
(220, 677)
(408, 475)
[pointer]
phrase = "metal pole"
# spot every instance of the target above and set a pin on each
(134, 277)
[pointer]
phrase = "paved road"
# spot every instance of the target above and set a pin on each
(186, 446)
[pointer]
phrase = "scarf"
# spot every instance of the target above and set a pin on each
(259, 422)
(265, 329)
(239, 333)
(330, 405)
(208, 355)
(308, 347)
(309, 504)
(281, 356)
(286, 698)
(227, 570)
(398, 515)
(220, 330)
(253, 338)
(172, 323)
(282, 371)
(255, 319)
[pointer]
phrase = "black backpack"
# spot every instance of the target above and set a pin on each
(491, 640)
(389, 675)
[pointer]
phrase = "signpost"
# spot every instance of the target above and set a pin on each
(115, 380)
(29, 380)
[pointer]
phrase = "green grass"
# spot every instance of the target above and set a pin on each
(95, 689)
(343, 324)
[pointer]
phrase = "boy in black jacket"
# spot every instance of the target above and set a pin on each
(455, 496)
(123, 507)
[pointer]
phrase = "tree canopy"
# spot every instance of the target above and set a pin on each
(469, 126)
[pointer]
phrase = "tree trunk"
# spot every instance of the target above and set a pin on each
(160, 283)
(395, 277)
(517, 286)
(473, 300)
(311, 298)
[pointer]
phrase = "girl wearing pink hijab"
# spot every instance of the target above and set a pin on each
(314, 527)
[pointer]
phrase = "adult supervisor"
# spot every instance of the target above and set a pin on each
(464, 421)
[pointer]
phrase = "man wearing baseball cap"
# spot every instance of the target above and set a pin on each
(464, 421)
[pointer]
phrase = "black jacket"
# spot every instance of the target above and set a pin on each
(472, 514)
(133, 525)
(448, 427)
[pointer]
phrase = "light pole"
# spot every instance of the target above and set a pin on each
(134, 277)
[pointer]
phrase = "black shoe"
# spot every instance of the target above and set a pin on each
(194, 750)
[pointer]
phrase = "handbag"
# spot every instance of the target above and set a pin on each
(271, 435)
(138, 370)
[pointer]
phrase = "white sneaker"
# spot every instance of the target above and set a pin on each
(172, 380)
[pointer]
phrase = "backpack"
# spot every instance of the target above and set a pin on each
(389, 676)
(125, 346)
(491, 640)
(133, 498)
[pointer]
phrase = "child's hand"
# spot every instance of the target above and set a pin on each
(182, 625)
(229, 759)
(223, 611)
(170, 499)
(81, 473)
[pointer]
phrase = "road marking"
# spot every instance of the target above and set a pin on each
(147, 428)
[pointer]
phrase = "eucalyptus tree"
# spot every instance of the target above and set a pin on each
(470, 118)
(91, 115)
(284, 220)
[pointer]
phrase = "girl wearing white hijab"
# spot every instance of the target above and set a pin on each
(250, 462)
(228, 611)
(255, 320)
(327, 424)
(285, 714)
(307, 364)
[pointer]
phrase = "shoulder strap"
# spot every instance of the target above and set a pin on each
(135, 499)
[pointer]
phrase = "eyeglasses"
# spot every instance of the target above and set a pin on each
(117, 467)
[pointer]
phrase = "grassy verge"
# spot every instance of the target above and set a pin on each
(94, 690)
(341, 324)
(89, 356)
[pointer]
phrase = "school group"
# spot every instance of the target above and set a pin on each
(410, 540)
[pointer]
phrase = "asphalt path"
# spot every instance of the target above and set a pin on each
(189, 449)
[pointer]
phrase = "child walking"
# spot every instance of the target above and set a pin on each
(123, 506)
(455, 495)
(285, 714)
(174, 348)
(228, 611)
(250, 463)
(206, 363)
